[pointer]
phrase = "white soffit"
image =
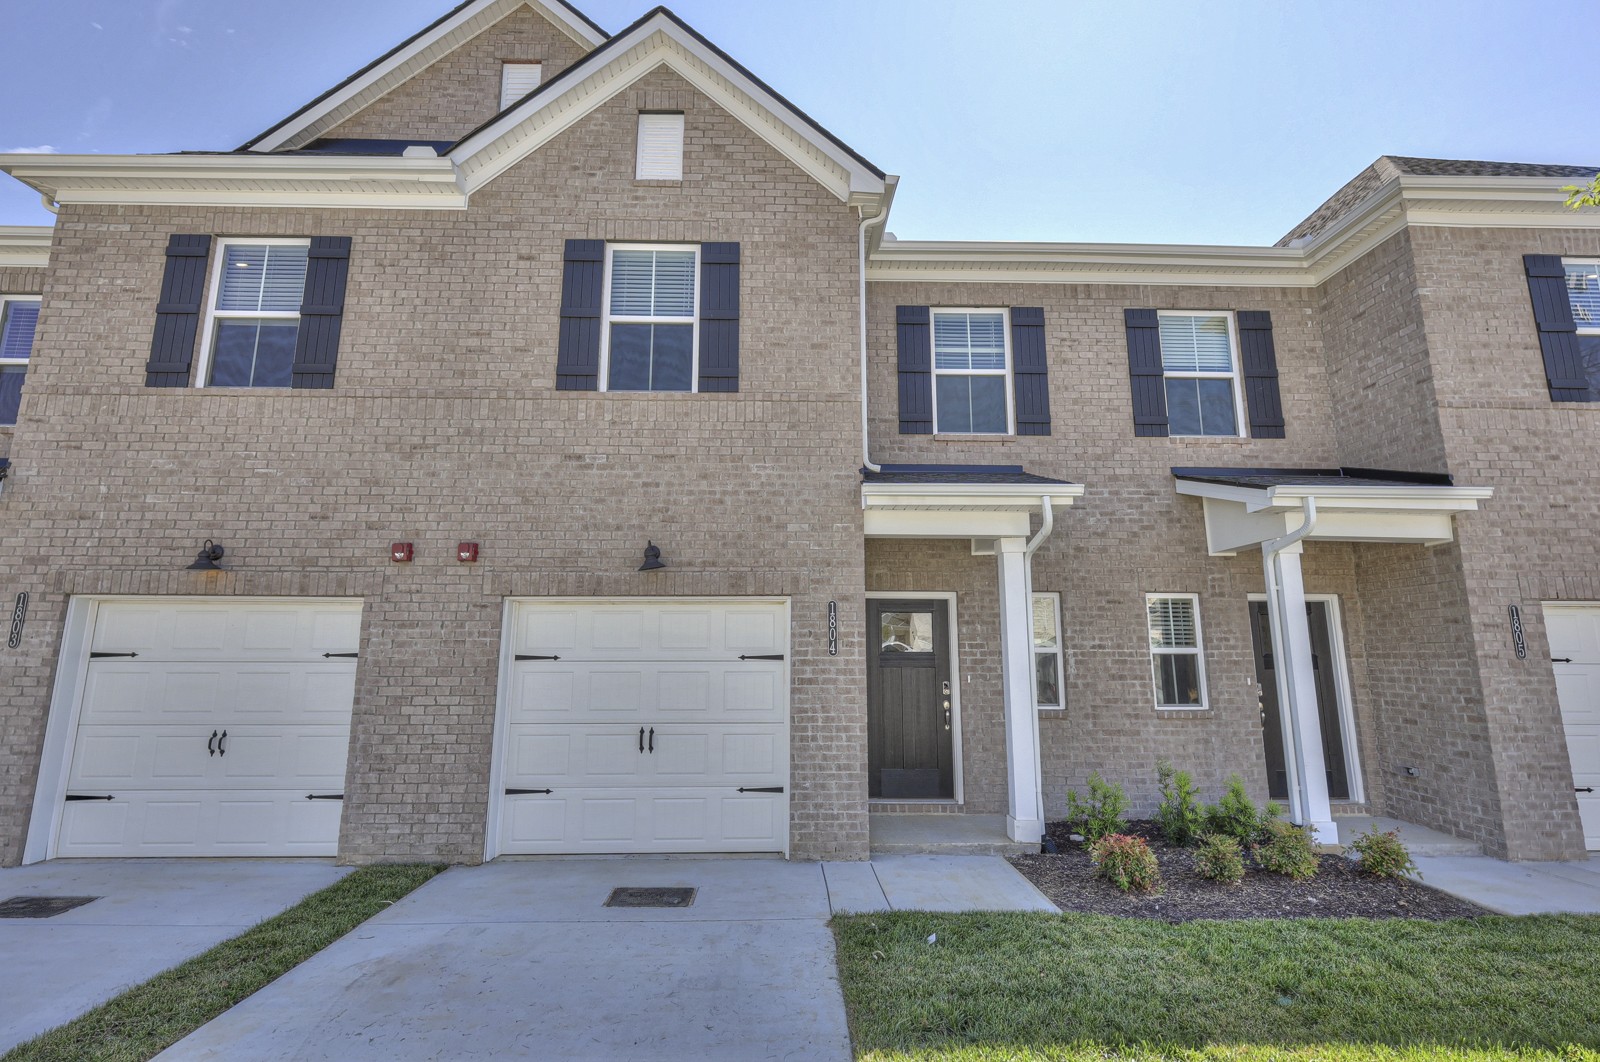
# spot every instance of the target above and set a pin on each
(25, 246)
(1244, 517)
(958, 510)
(660, 41)
(410, 59)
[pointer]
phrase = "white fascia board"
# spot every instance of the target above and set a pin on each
(25, 246)
(409, 60)
(241, 180)
(975, 496)
(947, 523)
(1088, 263)
(1363, 498)
(660, 41)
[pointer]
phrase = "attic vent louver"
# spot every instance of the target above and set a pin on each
(660, 147)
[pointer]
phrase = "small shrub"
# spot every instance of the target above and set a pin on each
(1288, 850)
(1179, 817)
(1219, 858)
(1382, 854)
(1236, 815)
(1127, 863)
(1099, 815)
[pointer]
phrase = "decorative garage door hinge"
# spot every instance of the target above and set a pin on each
(525, 792)
(761, 789)
(81, 796)
(103, 656)
(768, 656)
(324, 796)
(522, 657)
(341, 656)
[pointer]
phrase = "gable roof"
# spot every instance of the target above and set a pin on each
(661, 38)
(410, 57)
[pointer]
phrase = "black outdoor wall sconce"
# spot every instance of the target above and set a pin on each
(206, 560)
(652, 558)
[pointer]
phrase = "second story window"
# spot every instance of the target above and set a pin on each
(255, 313)
(971, 373)
(1583, 292)
(1200, 363)
(650, 318)
(18, 319)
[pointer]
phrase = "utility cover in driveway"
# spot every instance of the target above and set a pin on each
(637, 897)
(41, 906)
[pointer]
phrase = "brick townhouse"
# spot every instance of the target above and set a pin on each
(537, 444)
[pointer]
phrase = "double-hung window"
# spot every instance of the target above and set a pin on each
(650, 318)
(1583, 292)
(256, 295)
(1177, 660)
(971, 373)
(1047, 689)
(18, 319)
(1199, 358)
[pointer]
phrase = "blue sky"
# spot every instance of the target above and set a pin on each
(1217, 122)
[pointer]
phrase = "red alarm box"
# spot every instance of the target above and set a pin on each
(467, 552)
(400, 552)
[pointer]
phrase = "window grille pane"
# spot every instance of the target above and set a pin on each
(1044, 621)
(259, 278)
(17, 329)
(1178, 680)
(1047, 679)
(652, 284)
(651, 357)
(1172, 623)
(1583, 288)
(969, 340)
(1201, 407)
(11, 377)
(1195, 344)
(972, 404)
(257, 353)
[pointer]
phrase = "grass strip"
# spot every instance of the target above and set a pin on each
(147, 1019)
(1074, 988)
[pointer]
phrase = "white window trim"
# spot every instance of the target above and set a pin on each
(1583, 330)
(202, 361)
(1061, 674)
(1240, 422)
(7, 300)
(1199, 652)
(609, 320)
(933, 362)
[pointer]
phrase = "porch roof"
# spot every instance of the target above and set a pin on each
(1002, 474)
(957, 501)
(1245, 507)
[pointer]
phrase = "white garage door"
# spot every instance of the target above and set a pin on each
(1575, 647)
(211, 727)
(646, 726)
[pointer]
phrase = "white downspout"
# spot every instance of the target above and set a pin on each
(1047, 523)
(866, 446)
(1269, 552)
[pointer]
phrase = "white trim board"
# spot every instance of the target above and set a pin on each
(25, 247)
(949, 597)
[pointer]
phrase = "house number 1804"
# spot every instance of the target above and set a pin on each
(833, 628)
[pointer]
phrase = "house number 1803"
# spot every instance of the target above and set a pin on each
(18, 615)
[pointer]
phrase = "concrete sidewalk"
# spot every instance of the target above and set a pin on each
(150, 915)
(1516, 888)
(931, 883)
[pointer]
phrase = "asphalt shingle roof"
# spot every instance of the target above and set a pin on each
(958, 474)
(1263, 478)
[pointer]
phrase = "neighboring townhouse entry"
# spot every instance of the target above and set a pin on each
(1575, 653)
(643, 726)
(1336, 731)
(200, 727)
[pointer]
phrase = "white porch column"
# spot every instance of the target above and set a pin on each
(1025, 803)
(1297, 693)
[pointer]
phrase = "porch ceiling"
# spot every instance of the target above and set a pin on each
(1245, 507)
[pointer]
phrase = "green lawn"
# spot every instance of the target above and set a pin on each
(1073, 987)
(151, 1017)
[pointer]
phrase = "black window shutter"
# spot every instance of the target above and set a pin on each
(1030, 372)
(1558, 332)
(316, 348)
(1259, 360)
(582, 284)
(914, 338)
(183, 288)
(1145, 373)
(719, 317)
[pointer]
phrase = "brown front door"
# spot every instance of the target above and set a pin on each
(1322, 664)
(909, 744)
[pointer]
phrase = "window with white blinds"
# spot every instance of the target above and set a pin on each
(1583, 292)
(1201, 368)
(1176, 655)
(257, 291)
(660, 147)
(19, 318)
(517, 80)
(972, 393)
(650, 318)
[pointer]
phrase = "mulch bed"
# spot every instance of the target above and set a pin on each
(1338, 891)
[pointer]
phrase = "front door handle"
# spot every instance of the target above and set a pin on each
(211, 746)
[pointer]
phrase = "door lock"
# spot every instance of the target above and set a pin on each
(947, 705)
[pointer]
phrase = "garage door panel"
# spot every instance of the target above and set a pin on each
(117, 691)
(1575, 639)
(207, 628)
(546, 692)
(676, 820)
(560, 758)
(190, 824)
(166, 757)
(649, 630)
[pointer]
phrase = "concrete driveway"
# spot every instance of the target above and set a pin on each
(149, 916)
(523, 960)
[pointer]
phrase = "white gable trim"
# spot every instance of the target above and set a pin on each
(410, 59)
(27, 246)
(656, 42)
